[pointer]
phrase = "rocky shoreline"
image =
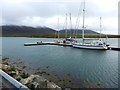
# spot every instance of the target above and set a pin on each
(32, 81)
(41, 78)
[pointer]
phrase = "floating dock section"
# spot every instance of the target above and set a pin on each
(62, 44)
(47, 43)
(114, 48)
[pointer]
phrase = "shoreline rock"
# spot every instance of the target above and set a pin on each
(37, 81)
(31, 81)
(42, 78)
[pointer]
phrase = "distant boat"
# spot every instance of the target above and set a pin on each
(95, 44)
(66, 41)
(69, 40)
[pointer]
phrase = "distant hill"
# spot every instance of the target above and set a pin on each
(13, 30)
(78, 31)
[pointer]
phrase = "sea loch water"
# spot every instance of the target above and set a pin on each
(81, 64)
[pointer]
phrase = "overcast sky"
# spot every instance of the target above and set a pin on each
(46, 13)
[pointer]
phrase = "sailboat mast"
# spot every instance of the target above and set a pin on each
(58, 28)
(70, 26)
(66, 27)
(100, 28)
(83, 28)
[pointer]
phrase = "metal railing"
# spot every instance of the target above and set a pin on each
(12, 81)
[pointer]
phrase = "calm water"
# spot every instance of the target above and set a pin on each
(81, 64)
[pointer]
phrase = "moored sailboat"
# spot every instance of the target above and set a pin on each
(66, 40)
(96, 44)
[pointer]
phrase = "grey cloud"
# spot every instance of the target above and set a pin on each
(16, 13)
(49, 9)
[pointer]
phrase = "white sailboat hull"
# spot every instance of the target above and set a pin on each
(90, 47)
